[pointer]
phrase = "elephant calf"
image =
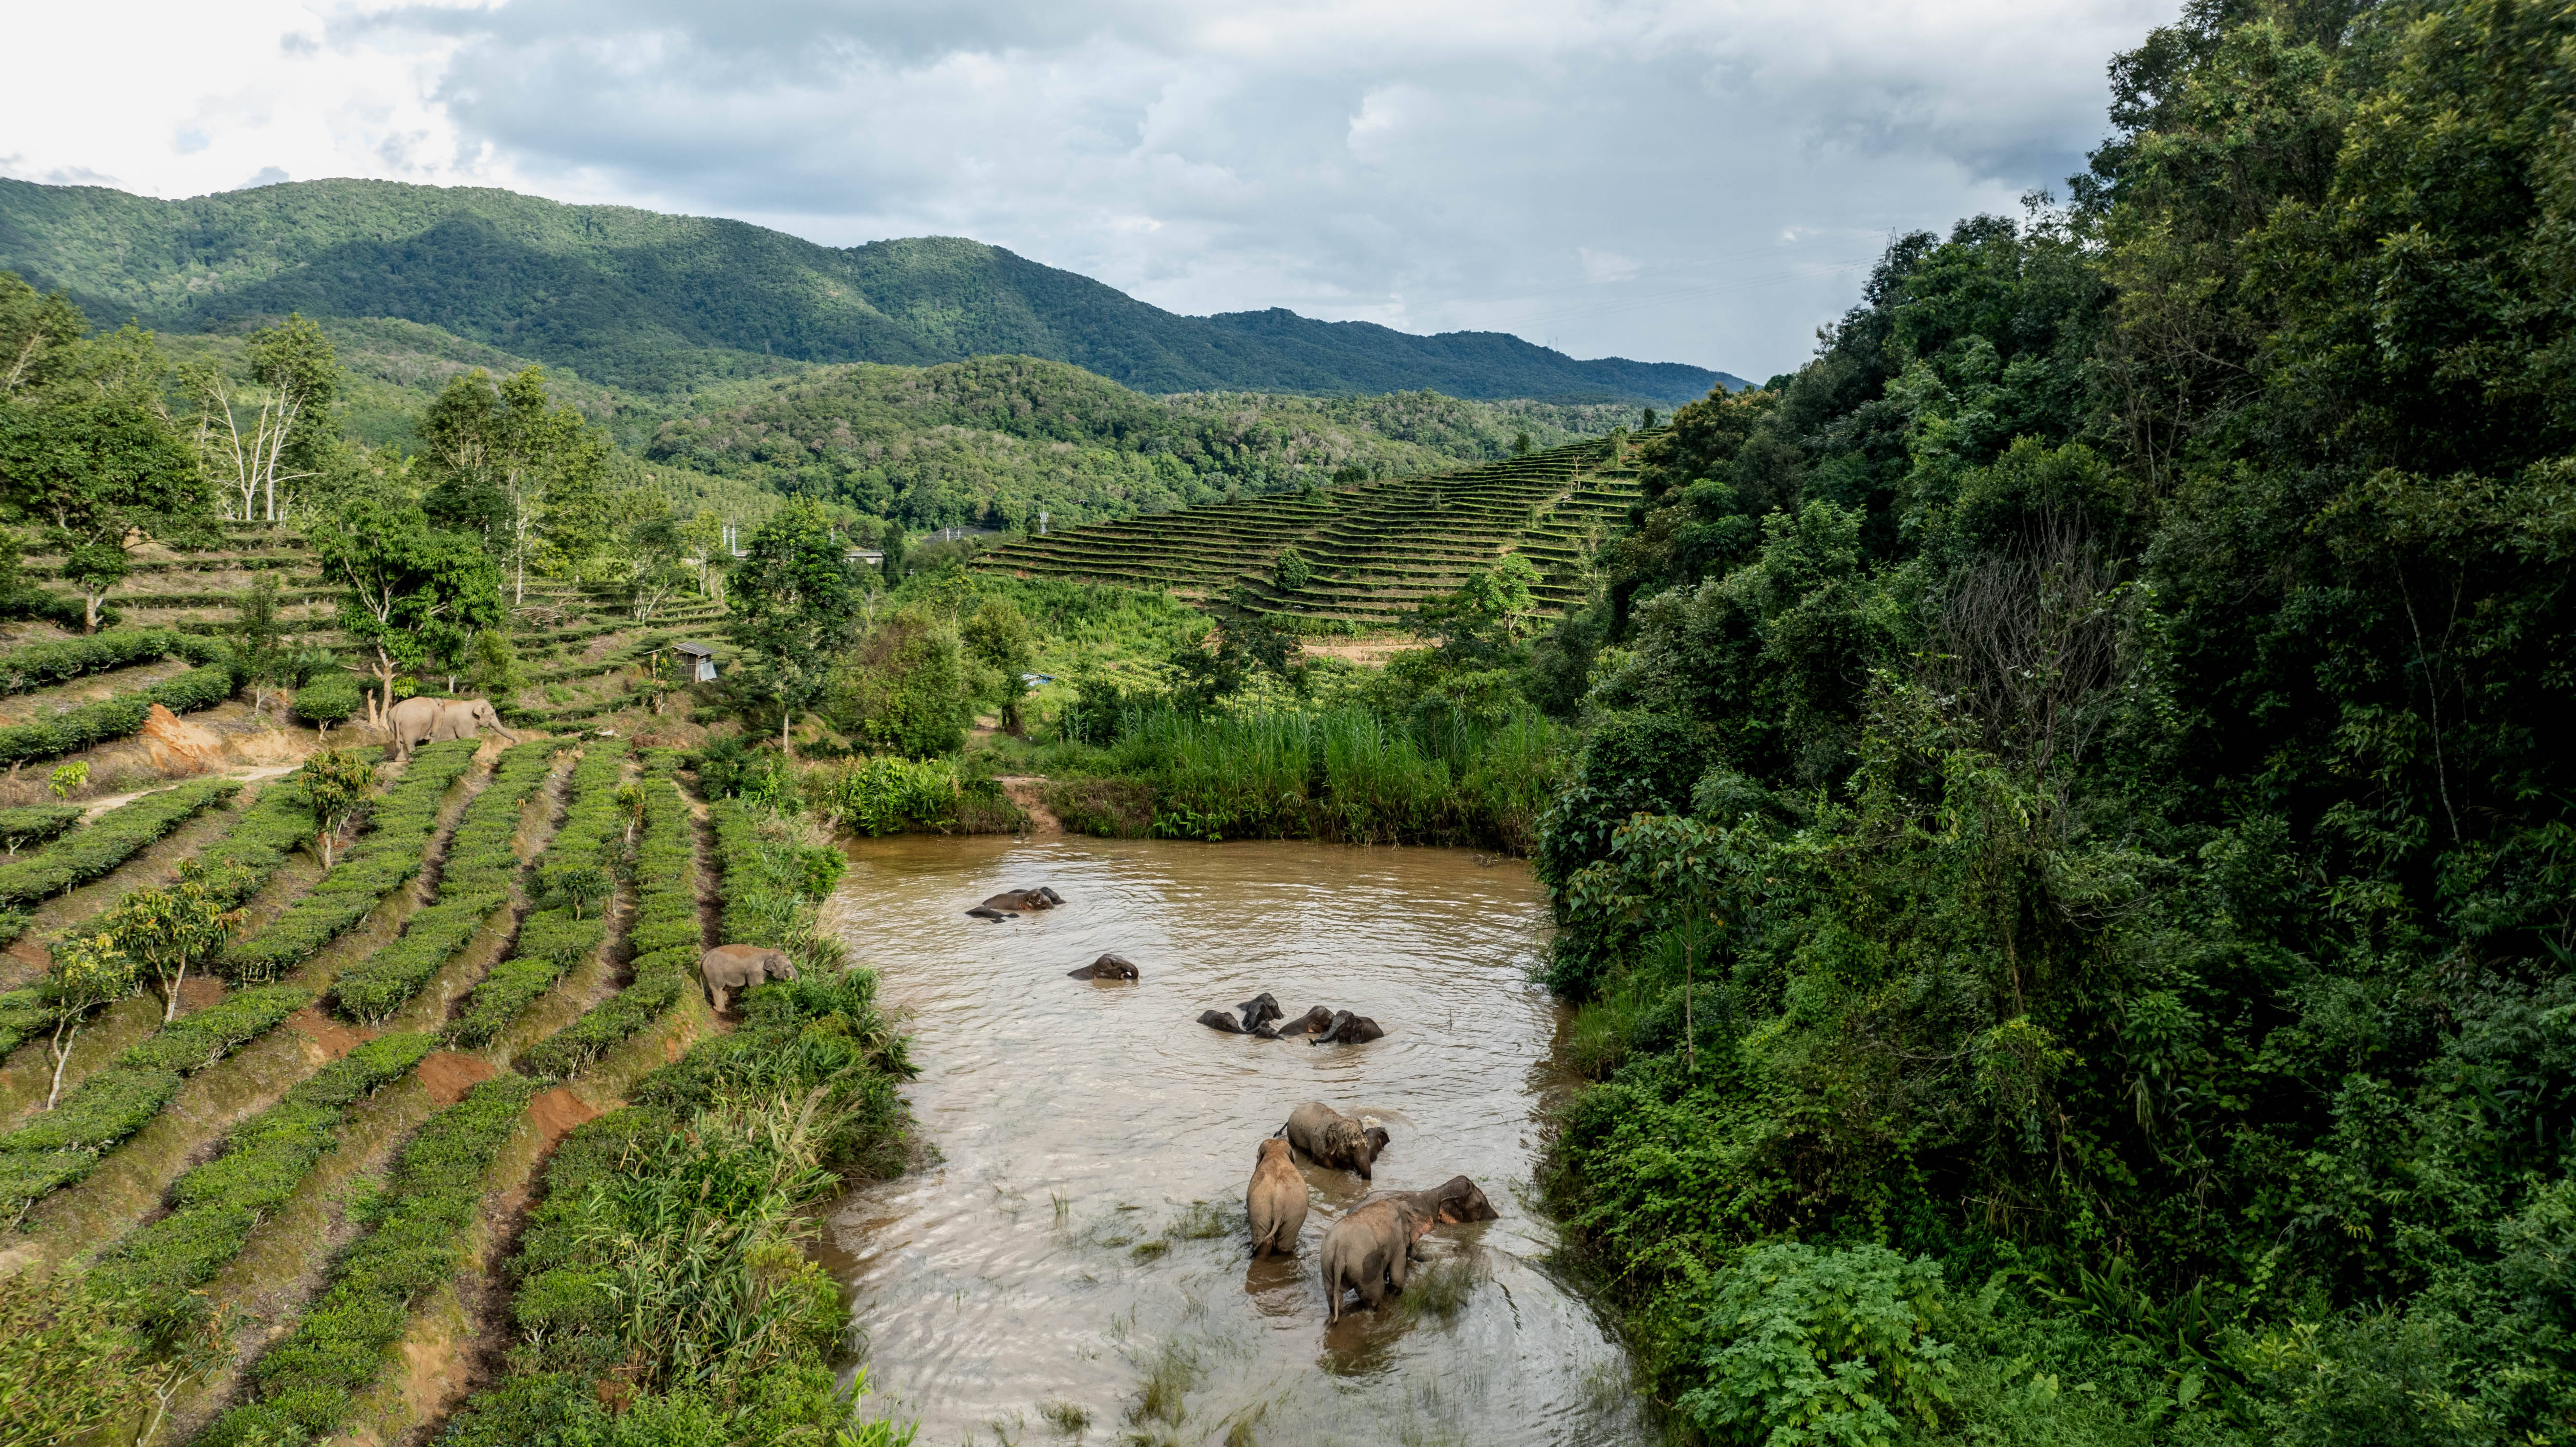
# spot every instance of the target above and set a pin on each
(1258, 1011)
(728, 970)
(1220, 1020)
(1371, 1249)
(1314, 1022)
(1276, 1200)
(1107, 967)
(1330, 1138)
(1017, 902)
(1347, 1029)
(1453, 1202)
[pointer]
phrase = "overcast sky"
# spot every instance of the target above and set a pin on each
(1673, 180)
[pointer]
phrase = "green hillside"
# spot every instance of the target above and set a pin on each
(996, 440)
(1372, 551)
(665, 304)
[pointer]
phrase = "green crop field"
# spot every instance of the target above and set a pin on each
(1372, 551)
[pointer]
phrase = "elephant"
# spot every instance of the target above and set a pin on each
(1107, 967)
(1220, 1020)
(1348, 1029)
(1314, 1022)
(1021, 901)
(731, 969)
(1258, 1011)
(1276, 1200)
(1330, 1138)
(417, 721)
(1371, 1249)
(1453, 1202)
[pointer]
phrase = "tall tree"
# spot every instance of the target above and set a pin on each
(510, 465)
(100, 475)
(261, 437)
(416, 592)
(795, 604)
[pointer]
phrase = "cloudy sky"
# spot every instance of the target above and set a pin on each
(1672, 180)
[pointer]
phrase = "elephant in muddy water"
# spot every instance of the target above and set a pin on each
(1330, 1138)
(1314, 1022)
(728, 970)
(1347, 1029)
(1014, 902)
(1220, 1020)
(1107, 967)
(417, 721)
(1453, 1202)
(1371, 1249)
(1276, 1200)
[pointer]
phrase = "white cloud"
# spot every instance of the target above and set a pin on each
(1701, 180)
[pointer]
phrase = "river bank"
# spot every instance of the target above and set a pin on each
(1073, 1250)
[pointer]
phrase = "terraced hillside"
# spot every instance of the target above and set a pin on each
(500, 959)
(578, 647)
(1371, 551)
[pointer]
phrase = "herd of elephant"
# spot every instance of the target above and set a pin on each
(1370, 1249)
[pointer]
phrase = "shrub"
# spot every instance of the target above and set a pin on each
(332, 698)
(35, 824)
(399, 826)
(156, 1269)
(887, 795)
(117, 836)
(304, 1385)
(40, 665)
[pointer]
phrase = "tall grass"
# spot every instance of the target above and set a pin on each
(1342, 774)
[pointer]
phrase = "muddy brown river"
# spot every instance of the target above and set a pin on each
(1073, 1260)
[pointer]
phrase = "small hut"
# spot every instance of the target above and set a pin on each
(699, 659)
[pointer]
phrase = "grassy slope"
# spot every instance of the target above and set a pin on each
(658, 303)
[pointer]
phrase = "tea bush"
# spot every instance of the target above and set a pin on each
(663, 932)
(303, 1386)
(115, 837)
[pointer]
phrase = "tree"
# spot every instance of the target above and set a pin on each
(528, 476)
(416, 592)
(104, 474)
(88, 972)
(795, 605)
(1490, 609)
(67, 777)
(294, 379)
(1521, 446)
(257, 643)
(335, 783)
(703, 536)
(999, 637)
(169, 930)
(492, 666)
(649, 550)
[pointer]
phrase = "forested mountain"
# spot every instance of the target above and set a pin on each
(995, 440)
(665, 304)
(2070, 880)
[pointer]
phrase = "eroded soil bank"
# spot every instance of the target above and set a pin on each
(1076, 1252)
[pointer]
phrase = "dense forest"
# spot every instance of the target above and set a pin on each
(2069, 883)
(665, 304)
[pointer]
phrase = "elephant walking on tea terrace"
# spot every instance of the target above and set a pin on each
(417, 721)
(728, 970)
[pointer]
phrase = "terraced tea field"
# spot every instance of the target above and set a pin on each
(1371, 551)
(281, 1201)
(578, 648)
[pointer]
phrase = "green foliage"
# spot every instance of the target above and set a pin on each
(68, 1365)
(113, 838)
(522, 474)
(303, 1386)
(34, 824)
(330, 699)
(663, 933)
(389, 855)
(474, 881)
(60, 1146)
(2108, 704)
(667, 1245)
(794, 603)
(775, 873)
(42, 665)
(114, 718)
(579, 868)
(1827, 1347)
(881, 796)
(152, 1273)
(906, 688)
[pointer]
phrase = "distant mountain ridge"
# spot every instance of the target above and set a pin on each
(663, 304)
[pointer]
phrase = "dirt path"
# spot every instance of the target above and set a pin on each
(1029, 792)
